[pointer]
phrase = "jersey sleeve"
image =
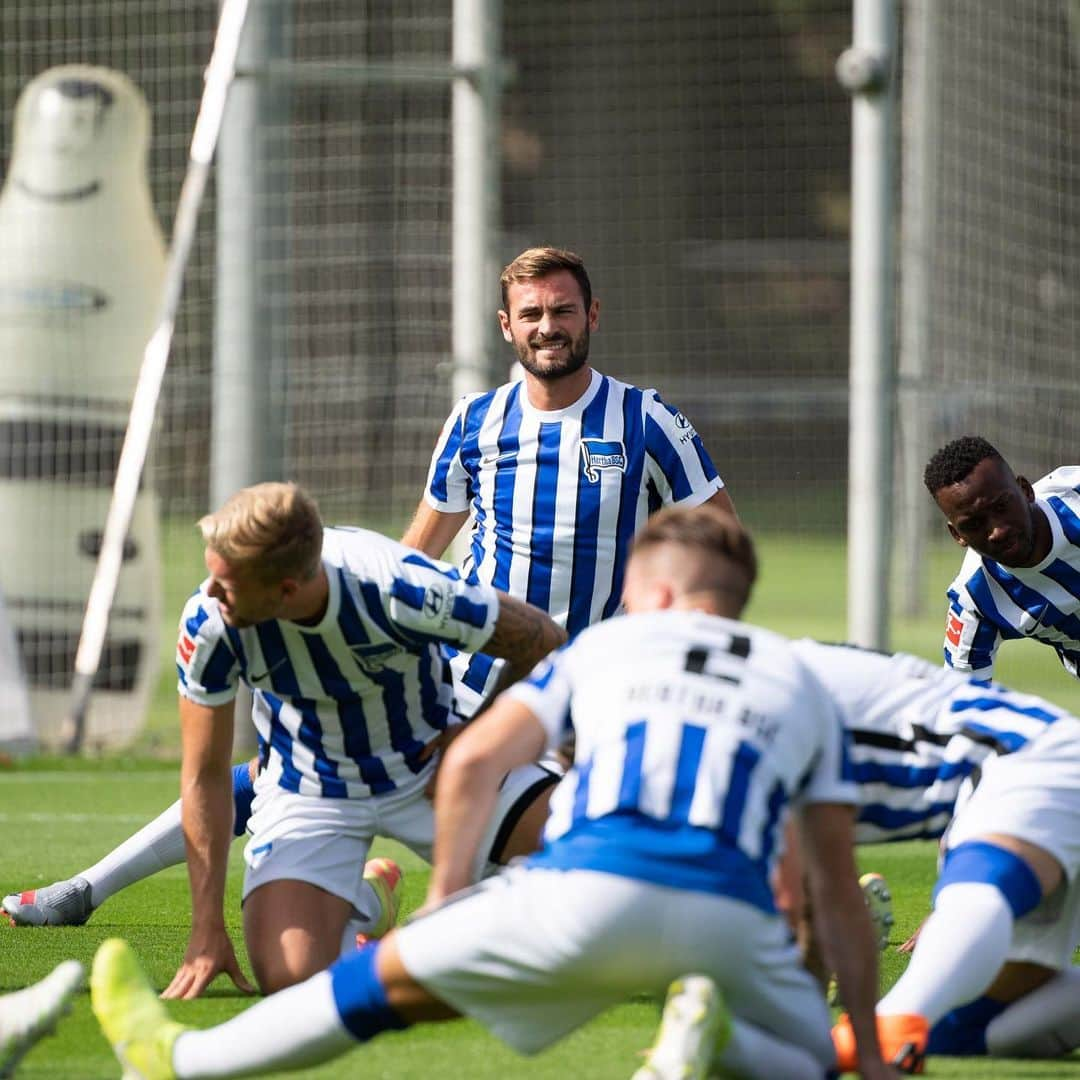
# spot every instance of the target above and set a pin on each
(546, 692)
(679, 466)
(428, 601)
(207, 671)
(971, 639)
(832, 777)
(448, 480)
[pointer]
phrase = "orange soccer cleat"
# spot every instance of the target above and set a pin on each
(901, 1036)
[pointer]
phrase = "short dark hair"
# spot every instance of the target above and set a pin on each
(539, 262)
(956, 460)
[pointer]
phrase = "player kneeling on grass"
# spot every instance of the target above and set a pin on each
(338, 634)
(694, 733)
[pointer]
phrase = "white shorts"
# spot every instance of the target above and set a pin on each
(534, 953)
(1034, 795)
(325, 842)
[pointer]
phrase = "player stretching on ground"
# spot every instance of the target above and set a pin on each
(336, 631)
(556, 473)
(1007, 904)
(694, 733)
(1021, 575)
(920, 736)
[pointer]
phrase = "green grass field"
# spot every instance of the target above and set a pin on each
(55, 821)
(58, 816)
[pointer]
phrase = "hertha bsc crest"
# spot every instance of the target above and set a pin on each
(597, 454)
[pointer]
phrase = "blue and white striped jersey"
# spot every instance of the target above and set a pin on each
(920, 733)
(344, 707)
(693, 735)
(990, 603)
(556, 496)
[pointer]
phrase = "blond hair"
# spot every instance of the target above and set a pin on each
(272, 531)
(539, 262)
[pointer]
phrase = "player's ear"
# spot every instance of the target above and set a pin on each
(1025, 486)
(955, 535)
(504, 325)
(594, 315)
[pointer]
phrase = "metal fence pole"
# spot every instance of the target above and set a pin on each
(248, 404)
(917, 408)
(867, 71)
(476, 129)
(248, 409)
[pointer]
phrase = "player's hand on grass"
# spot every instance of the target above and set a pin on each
(207, 956)
(438, 745)
(909, 945)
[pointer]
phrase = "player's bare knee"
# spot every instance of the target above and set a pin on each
(276, 969)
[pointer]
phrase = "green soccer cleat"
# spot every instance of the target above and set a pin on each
(29, 1015)
(878, 899)
(130, 1014)
(694, 1027)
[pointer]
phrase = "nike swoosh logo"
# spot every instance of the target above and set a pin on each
(269, 671)
(506, 455)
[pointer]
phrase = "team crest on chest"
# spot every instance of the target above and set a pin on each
(600, 454)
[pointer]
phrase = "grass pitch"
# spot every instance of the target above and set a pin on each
(56, 821)
(59, 816)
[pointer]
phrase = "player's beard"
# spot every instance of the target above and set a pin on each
(573, 359)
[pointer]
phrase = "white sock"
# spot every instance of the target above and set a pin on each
(295, 1027)
(758, 1055)
(1042, 1024)
(960, 950)
(154, 847)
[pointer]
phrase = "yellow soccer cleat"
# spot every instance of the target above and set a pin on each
(694, 1027)
(385, 877)
(130, 1014)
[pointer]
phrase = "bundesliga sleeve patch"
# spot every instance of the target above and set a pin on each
(954, 627)
(185, 648)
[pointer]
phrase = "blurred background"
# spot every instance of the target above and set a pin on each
(697, 155)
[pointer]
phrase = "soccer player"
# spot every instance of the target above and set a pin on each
(695, 735)
(336, 631)
(991, 971)
(28, 1015)
(556, 473)
(1021, 575)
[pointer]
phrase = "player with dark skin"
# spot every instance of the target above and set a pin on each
(993, 511)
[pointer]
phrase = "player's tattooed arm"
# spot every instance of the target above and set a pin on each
(523, 636)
